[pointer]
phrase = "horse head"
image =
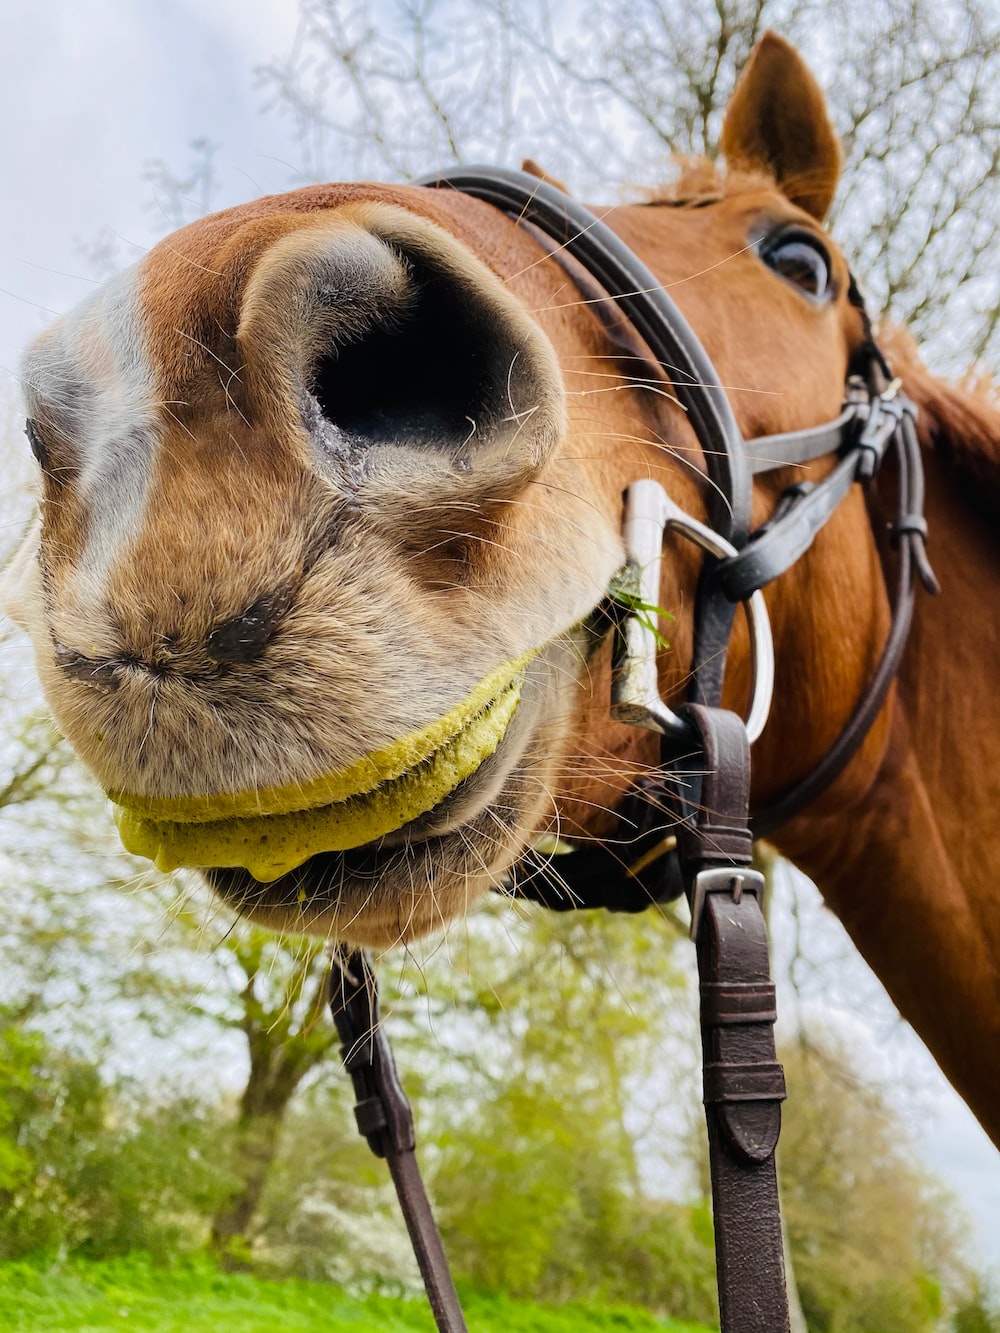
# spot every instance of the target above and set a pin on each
(332, 486)
(332, 482)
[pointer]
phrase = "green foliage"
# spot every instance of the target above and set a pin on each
(548, 1032)
(977, 1313)
(52, 1110)
(870, 1238)
(537, 1199)
(534, 1150)
(152, 1181)
(625, 591)
(195, 1298)
(82, 1170)
(20, 1055)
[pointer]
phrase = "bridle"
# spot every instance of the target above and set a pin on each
(683, 831)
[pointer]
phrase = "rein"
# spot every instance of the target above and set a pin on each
(683, 833)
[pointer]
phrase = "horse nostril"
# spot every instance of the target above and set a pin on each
(433, 375)
(245, 637)
(412, 367)
(101, 674)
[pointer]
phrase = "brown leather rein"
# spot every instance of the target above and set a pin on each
(706, 816)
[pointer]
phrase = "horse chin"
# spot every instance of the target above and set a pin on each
(375, 895)
(418, 878)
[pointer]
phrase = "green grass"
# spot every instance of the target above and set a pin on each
(134, 1294)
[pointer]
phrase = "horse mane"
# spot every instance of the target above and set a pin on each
(699, 182)
(959, 419)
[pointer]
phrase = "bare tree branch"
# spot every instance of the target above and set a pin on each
(604, 95)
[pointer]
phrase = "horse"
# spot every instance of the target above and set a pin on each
(332, 486)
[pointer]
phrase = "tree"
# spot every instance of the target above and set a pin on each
(874, 1241)
(978, 1313)
(280, 1006)
(605, 93)
(575, 1033)
(85, 1169)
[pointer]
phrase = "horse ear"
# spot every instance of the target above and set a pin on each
(533, 169)
(777, 121)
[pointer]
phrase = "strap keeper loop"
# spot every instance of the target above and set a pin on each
(727, 1083)
(907, 525)
(371, 1121)
(735, 1003)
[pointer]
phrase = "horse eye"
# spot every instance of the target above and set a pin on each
(37, 445)
(804, 262)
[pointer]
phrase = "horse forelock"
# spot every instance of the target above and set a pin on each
(699, 181)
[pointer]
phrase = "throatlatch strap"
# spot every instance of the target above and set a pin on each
(744, 1084)
(385, 1119)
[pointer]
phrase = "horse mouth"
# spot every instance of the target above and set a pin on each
(412, 880)
(327, 862)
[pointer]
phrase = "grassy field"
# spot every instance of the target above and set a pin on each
(77, 1297)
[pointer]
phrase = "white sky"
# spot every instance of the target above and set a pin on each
(90, 90)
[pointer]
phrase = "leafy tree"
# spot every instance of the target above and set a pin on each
(281, 1009)
(977, 1313)
(83, 1170)
(258, 995)
(874, 1242)
(536, 1153)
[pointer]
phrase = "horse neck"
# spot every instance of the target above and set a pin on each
(911, 869)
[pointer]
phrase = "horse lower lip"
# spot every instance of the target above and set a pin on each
(358, 778)
(394, 887)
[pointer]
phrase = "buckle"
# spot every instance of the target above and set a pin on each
(734, 880)
(886, 411)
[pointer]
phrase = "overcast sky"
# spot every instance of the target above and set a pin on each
(91, 90)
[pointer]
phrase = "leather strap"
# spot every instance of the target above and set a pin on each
(908, 533)
(744, 1084)
(777, 545)
(385, 1119)
(767, 452)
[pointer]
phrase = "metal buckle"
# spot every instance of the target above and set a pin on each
(734, 880)
(635, 690)
(885, 411)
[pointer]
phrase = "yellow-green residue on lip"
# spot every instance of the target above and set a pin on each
(418, 775)
(363, 775)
